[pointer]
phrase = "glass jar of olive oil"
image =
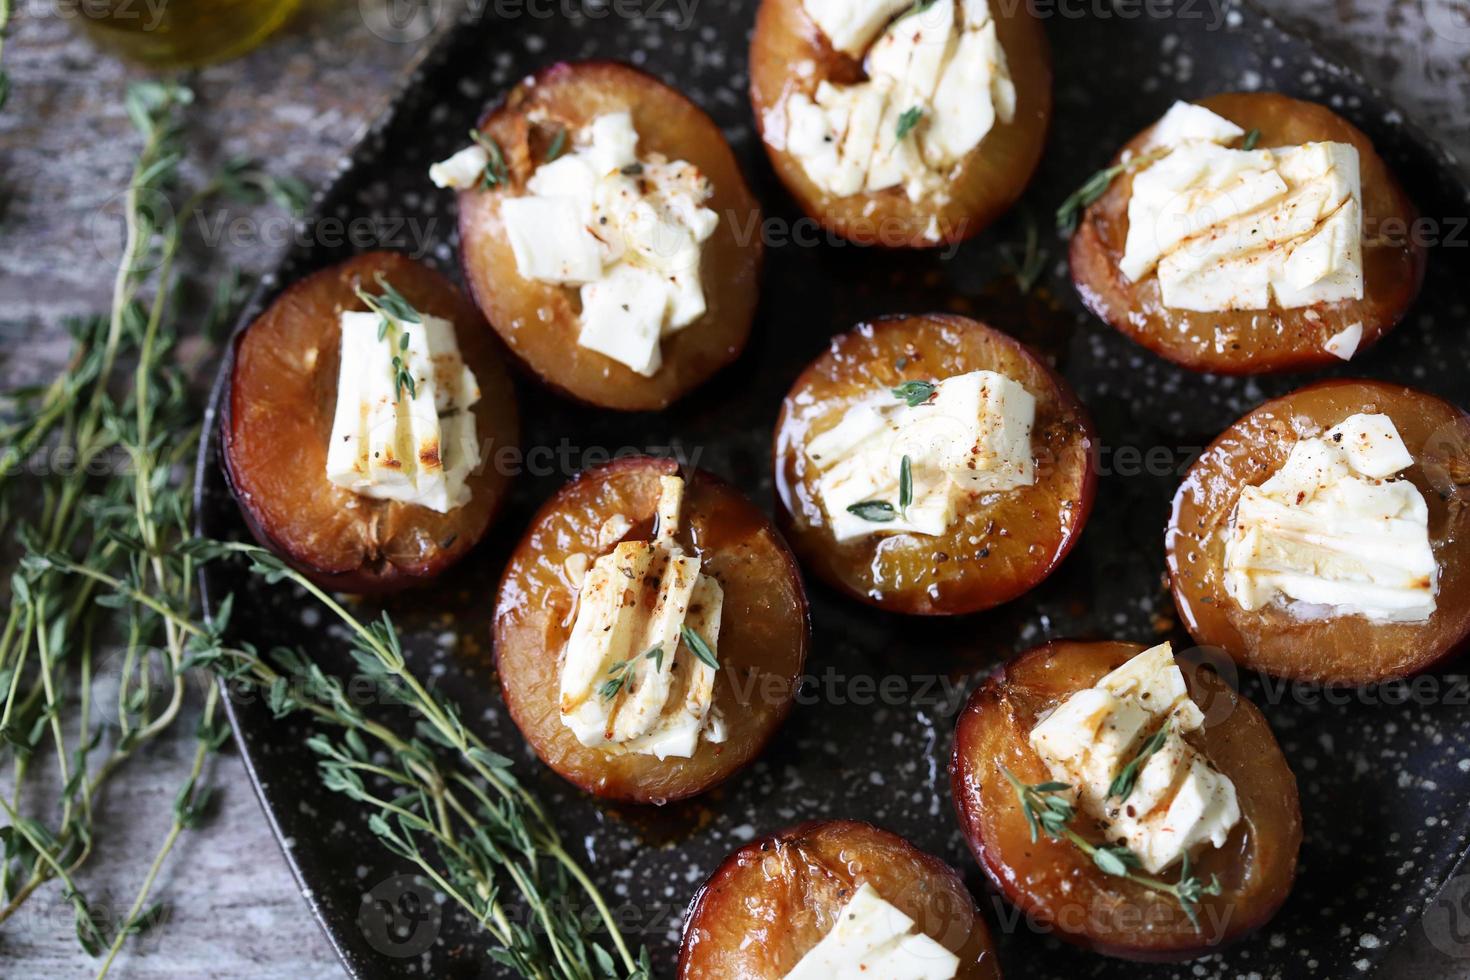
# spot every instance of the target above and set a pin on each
(181, 33)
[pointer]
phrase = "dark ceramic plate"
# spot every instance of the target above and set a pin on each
(1384, 781)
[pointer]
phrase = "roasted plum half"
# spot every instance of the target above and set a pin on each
(972, 184)
(279, 421)
(762, 628)
(538, 123)
(789, 888)
(1285, 642)
(1054, 880)
(999, 544)
(1252, 341)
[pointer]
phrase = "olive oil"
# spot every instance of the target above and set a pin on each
(181, 33)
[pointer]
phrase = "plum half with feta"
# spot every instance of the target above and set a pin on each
(607, 234)
(901, 123)
(649, 632)
(932, 465)
(1139, 809)
(1249, 233)
(363, 407)
(1322, 537)
(835, 899)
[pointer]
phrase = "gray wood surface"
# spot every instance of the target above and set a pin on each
(298, 102)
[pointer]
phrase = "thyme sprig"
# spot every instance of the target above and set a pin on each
(1122, 784)
(1097, 185)
(699, 648)
(121, 413)
(109, 561)
(393, 312)
(1051, 814)
(620, 671)
(1028, 269)
(496, 172)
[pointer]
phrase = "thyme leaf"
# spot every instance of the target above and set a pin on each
(558, 145)
(905, 486)
(1122, 785)
(877, 511)
(700, 649)
(1050, 814)
(907, 120)
(496, 172)
(1097, 185)
(914, 393)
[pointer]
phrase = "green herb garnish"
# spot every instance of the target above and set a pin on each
(558, 144)
(914, 393)
(1050, 814)
(905, 486)
(701, 649)
(1097, 185)
(632, 170)
(105, 598)
(1122, 785)
(618, 673)
(1028, 269)
(1251, 139)
(907, 120)
(877, 511)
(496, 172)
(393, 311)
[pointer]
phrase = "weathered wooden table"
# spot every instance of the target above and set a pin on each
(297, 103)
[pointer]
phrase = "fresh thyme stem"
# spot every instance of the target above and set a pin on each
(1051, 814)
(109, 548)
(186, 813)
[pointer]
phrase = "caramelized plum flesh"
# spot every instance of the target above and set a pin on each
(1253, 341)
(789, 887)
(763, 628)
(1340, 650)
(283, 394)
(1001, 545)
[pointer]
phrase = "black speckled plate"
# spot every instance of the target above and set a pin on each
(1385, 779)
